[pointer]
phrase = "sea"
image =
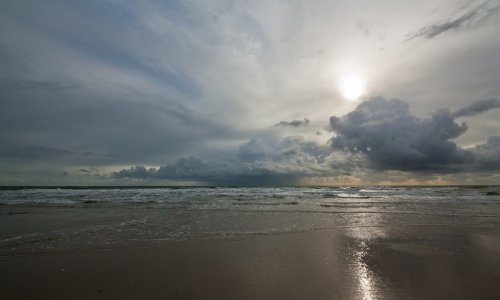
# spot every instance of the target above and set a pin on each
(44, 220)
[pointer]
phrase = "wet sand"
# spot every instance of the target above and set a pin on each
(403, 262)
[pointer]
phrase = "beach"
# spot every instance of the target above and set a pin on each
(451, 262)
(249, 150)
(90, 251)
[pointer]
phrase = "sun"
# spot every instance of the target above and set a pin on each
(352, 87)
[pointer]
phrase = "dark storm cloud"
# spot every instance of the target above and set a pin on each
(392, 138)
(468, 19)
(477, 107)
(294, 123)
(137, 172)
(487, 155)
(190, 167)
(257, 162)
(379, 134)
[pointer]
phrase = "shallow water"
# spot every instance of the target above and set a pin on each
(439, 200)
(41, 220)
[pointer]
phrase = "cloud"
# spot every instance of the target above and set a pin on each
(36, 85)
(17, 154)
(294, 123)
(257, 162)
(392, 138)
(477, 107)
(379, 134)
(152, 82)
(292, 155)
(469, 19)
(99, 91)
(35, 152)
(487, 155)
(138, 172)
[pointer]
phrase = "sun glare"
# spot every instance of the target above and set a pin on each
(352, 87)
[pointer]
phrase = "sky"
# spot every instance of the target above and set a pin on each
(207, 92)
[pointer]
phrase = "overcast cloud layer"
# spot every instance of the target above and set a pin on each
(247, 92)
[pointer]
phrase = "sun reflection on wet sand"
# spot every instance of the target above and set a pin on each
(364, 277)
(363, 273)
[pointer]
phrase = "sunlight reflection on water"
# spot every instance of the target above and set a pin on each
(363, 273)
